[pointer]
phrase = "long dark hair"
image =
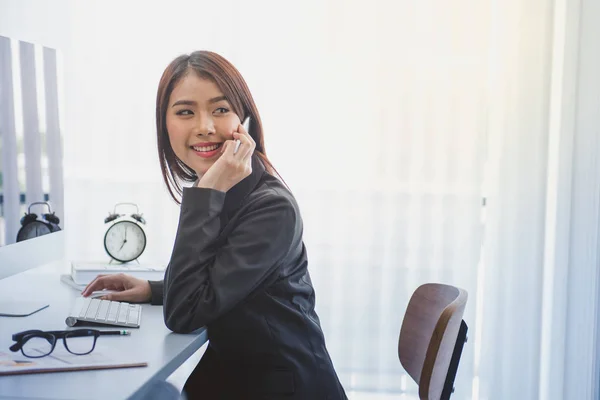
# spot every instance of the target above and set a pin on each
(207, 65)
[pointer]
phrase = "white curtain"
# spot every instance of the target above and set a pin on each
(413, 133)
(508, 343)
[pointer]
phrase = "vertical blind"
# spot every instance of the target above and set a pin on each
(30, 135)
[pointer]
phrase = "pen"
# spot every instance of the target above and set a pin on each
(122, 332)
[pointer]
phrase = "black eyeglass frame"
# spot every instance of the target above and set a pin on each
(52, 336)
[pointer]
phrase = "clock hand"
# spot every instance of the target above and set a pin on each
(124, 240)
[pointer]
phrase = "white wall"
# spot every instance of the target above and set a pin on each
(37, 21)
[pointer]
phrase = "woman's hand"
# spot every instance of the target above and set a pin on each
(230, 168)
(128, 288)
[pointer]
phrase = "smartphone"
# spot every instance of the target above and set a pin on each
(246, 126)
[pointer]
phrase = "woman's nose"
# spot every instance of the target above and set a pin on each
(204, 126)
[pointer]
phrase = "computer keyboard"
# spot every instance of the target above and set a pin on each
(105, 312)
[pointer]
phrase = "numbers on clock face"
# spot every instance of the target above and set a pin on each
(125, 241)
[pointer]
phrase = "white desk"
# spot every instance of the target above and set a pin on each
(152, 342)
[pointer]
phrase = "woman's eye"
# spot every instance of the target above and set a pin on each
(184, 112)
(221, 110)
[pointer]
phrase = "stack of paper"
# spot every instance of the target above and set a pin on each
(85, 272)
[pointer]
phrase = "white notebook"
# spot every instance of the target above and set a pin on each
(85, 272)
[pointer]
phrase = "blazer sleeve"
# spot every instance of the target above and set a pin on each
(203, 281)
(156, 288)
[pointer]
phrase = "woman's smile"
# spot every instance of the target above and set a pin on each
(206, 149)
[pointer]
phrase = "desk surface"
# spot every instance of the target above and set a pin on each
(164, 350)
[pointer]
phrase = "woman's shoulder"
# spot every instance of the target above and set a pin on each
(271, 192)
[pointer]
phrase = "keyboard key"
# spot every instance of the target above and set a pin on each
(123, 313)
(93, 309)
(103, 310)
(134, 312)
(84, 306)
(113, 312)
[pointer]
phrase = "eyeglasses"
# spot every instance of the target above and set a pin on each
(36, 343)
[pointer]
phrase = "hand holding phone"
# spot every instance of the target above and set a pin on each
(235, 162)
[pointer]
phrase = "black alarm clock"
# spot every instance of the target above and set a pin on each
(33, 226)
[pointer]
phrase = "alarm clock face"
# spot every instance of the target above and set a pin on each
(125, 241)
(32, 230)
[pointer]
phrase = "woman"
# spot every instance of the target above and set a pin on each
(239, 265)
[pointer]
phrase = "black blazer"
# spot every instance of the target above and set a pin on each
(239, 267)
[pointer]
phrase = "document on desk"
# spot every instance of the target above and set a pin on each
(61, 361)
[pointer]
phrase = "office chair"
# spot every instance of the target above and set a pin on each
(432, 337)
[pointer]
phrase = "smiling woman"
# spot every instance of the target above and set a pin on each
(201, 101)
(239, 265)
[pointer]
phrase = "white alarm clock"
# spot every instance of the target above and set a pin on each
(125, 239)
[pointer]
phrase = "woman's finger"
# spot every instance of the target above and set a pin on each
(112, 282)
(243, 132)
(251, 139)
(248, 151)
(91, 285)
(251, 148)
(228, 148)
(247, 145)
(237, 142)
(125, 295)
(242, 129)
